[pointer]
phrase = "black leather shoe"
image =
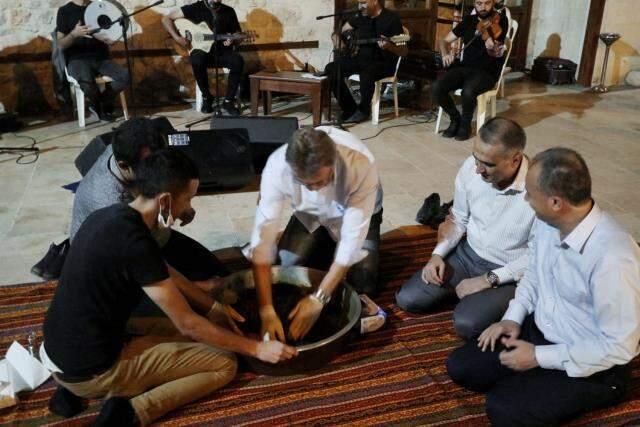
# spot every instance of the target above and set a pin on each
(357, 117)
(230, 108)
(42, 265)
(464, 132)
(65, 403)
(452, 130)
(207, 106)
(54, 268)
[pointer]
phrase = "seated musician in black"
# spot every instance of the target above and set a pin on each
(478, 71)
(224, 18)
(87, 56)
(373, 62)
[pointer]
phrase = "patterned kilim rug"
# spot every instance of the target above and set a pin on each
(395, 376)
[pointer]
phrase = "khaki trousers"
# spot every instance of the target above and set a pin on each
(160, 372)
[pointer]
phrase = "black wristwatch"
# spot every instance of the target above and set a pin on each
(492, 279)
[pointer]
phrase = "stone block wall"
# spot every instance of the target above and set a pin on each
(25, 29)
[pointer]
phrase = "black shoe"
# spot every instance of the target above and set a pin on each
(230, 108)
(344, 116)
(357, 117)
(54, 268)
(116, 411)
(429, 210)
(42, 265)
(464, 132)
(207, 105)
(452, 130)
(65, 403)
(106, 116)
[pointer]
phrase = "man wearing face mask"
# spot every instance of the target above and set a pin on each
(478, 71)
(373, 62)
(331, 181)
(490, 208)
(113, 261)
(223, 20)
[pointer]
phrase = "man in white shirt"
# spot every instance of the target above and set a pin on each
(489, 207)
(331, 181)
(564, 344)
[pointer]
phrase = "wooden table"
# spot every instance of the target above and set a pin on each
(288, 82)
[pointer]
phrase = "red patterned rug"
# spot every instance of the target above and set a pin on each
(395, 376)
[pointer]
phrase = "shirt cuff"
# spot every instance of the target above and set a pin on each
(516, 312)
(442, 249)
(504, 274)
(551, 356)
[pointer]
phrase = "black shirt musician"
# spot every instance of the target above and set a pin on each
(373, 61)
(477, 72)
(223, 20)
(87, 56)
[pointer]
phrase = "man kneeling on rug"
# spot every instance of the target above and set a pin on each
(564, 345)
(113, 261)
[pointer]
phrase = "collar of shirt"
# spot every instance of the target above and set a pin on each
(518, 184)
(579, 236)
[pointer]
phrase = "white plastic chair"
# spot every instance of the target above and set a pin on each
(78, 94)
(491, 95)
(377, 92)
(199, 97)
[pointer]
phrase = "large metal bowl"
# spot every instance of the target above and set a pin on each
(310, 356)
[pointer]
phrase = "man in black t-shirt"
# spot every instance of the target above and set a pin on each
(224, 20)
(113, 261)
(373, 62)
(478, 71)
(87, 57)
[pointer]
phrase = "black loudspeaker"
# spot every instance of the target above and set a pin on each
(266, 134)
(96, 147)
(222, 156)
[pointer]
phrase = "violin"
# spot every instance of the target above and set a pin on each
(489, 28)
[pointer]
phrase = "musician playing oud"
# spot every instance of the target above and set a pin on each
(223, 18)
(87, 56)
(479, 69)
(373, 61)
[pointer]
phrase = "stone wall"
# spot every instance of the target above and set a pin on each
(25, 29)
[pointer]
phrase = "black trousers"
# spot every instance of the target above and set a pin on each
(85, 72)
(538, 397)
(369, 71)
(227, 58)
(472, 81)
(316, 250)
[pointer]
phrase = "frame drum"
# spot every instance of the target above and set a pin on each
(101, 14)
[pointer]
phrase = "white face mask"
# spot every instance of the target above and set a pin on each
(165, 223)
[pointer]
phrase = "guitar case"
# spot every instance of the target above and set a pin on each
(555, 71)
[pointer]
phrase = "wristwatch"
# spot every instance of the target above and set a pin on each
(321, 296)
(492, 279)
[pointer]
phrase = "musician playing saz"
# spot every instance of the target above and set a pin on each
(87, 56)
(373, 62)
(477, 72)
(223, 18)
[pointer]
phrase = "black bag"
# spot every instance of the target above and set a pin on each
(432, 213)
(556, 71)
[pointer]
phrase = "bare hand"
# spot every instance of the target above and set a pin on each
(471, 286)
(80, 30)
(227, 42)
(304, 315)
(489, 336)
(383, 44)
(185, 43)
(271, 324)
(448, 59)
(433, 272)
(521, 355)
(275, 351)
(187, 216)
(225, 315)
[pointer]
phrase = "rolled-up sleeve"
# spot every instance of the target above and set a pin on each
(459, 211)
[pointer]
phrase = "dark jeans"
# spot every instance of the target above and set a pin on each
(474, 312)
(369, 71)
(472, 81)
(191, 259)
(201, 61)
(316, 250)
(85, 72)
(537, 397)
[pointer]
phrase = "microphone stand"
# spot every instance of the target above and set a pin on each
(337, 59)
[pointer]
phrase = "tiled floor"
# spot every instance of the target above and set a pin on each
(35, 210)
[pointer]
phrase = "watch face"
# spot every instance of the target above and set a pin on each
(493, 278)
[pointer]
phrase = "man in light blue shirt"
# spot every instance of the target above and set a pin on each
(564, 345)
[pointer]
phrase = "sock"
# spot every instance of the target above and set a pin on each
(116, 411)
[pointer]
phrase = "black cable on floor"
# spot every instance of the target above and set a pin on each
(416, 119)
(26, 154)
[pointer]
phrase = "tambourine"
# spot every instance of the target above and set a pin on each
(100, 16)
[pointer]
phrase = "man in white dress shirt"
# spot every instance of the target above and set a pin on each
(489, 207)
(564, 344)
(331, 181)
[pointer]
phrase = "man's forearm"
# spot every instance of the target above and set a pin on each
(170, 26)
(444, 47)
(66, 41)
(262, 280)
(199, 300)
(333, 278)
(201, 330)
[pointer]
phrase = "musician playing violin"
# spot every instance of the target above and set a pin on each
(87, 56)
(222, 18)
(478, 70)
(372, 62)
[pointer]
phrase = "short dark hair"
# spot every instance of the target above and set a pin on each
(133, 137)
(564, 173)
(165, 171)
(309, 150)
(505, 132)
